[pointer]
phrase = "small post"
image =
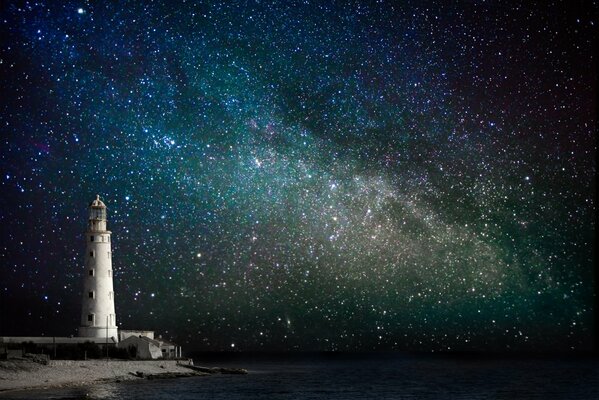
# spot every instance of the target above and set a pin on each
(107, 337)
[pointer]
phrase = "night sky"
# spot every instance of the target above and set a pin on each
(304, 175)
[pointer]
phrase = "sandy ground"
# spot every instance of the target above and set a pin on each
(25, 374)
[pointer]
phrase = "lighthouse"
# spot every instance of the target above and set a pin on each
(98, 318)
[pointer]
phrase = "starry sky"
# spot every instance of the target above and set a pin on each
(304, 175)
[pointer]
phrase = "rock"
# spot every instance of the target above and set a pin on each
(37, 358)
(170, 375)
(234, 371)
(202, 369)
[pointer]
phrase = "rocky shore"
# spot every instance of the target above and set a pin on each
(20, 374)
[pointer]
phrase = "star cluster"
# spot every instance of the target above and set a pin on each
(304, 175)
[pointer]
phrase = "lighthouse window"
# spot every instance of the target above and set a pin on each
(91, 294)
(91, 253)
(91, 238)
(90, 318)
(91, 272)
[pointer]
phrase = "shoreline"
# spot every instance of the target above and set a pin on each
(26, 374)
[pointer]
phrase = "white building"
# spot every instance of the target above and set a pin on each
(143, 345)
(98, 318)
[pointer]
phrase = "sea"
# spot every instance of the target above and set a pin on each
(360, 376)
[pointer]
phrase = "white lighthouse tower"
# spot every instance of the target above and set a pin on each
(98, 318)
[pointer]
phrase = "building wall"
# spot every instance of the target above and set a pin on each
(145, 350)
(53, 339)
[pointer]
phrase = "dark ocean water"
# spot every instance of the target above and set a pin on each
(362, 377)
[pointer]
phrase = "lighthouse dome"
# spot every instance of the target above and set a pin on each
(97, 202)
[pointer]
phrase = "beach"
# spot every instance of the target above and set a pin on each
(381, 376)
(20, 374)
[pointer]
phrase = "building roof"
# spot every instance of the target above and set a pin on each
(147, 339)
(141, 338)
(156, 342)
(166, 343)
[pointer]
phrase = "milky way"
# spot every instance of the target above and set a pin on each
(301, 175)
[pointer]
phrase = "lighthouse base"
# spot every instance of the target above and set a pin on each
(99, 332)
